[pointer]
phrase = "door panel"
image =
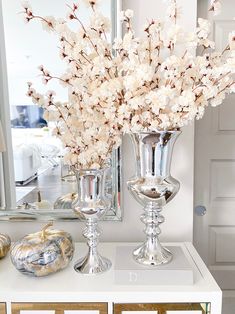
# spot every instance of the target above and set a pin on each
(226, 121)
(222, 240)
(214, 233)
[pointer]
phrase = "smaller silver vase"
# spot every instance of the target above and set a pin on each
(91, 205)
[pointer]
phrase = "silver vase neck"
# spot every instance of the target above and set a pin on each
(153, 151)
(91, 184)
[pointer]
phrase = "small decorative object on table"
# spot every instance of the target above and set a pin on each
(153, 187)
(91, 205)
(65, 201)
(166, 86)
(5, 244)
(89, 124)
(42, 203)
(148, 86)
(43, 253)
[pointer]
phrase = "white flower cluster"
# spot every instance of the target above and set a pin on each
(215, 6)
(148, 84)
(165, 84)
(88, 125)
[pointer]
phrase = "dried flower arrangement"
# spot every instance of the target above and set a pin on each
(88, 124)
(156, 82)
(165, 84)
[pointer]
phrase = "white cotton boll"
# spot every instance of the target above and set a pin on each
(100, 22)
(207, 43)
(166, 92)
(131, 82)
(128, 43)
(152, 97)
(91, 2)
(204, 28)
(67, 158)
(144, 72)
(61, 27)
(136, 127)
(231, 40)
(122, 16)
(101, 147)
(155, 27)
(230, 63)
(200, 112)
(51, 115)
(146, 116)
(218, 99)
(232, 88)
(49, 23)
(175, 107)
(95, 165)
(50, 93)
(215, 7)
(135, 103)
(129, 13)
(210, 92)
(26, 5)
(117, 44)
(191, 40)
(154, 124)
(189, 95)
(165, 122)
(41, 101)
(173, 10)
(175, 34)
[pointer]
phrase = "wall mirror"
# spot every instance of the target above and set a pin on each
(34, 181)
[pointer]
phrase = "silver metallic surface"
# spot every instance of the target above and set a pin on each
(153, 187)
(43, 253)
(115, 211)
(5, 244)
(113, 190)
(91, 205)
(200, 210)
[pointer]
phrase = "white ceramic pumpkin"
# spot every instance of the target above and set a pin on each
(42, 253)
(5, 244)
(41, 203)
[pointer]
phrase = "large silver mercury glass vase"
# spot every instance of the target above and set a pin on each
(153, 187)
(91, 205)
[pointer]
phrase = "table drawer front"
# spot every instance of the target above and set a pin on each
(59, 308)
(2, 308)
(160, 308)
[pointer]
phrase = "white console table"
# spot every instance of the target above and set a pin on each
(68, 291)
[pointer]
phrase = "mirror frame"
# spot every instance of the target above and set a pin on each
(115, 213)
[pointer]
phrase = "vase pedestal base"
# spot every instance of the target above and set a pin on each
(152, 254)
(92, 264)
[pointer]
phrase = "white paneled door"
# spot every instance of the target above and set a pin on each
(214, 232)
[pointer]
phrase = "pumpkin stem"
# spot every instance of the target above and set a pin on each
(39, 197)
(43, 232)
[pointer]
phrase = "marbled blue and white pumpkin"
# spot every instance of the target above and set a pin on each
(5, 244)
(42, 253)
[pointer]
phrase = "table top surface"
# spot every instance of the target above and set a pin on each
(68, 285)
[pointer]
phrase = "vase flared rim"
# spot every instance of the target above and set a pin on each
(91, 170)
(158, 132)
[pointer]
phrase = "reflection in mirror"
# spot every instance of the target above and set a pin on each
(44, 186)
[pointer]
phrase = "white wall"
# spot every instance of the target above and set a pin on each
(179, 213)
